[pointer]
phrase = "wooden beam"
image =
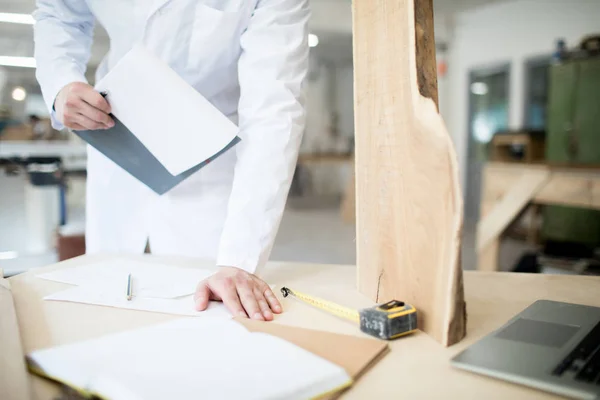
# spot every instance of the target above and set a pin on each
(348, 208)
(487, 259)
(409, 205)
(505, 210)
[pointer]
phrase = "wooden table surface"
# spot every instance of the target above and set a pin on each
(417, 366)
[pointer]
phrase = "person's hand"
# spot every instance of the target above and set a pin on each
(78, 106)
(244, 294)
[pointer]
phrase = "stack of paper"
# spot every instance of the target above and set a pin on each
(159, 288)
(191, 358)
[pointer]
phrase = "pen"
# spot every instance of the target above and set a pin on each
(129, 288)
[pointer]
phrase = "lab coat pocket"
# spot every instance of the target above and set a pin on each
(214, 33)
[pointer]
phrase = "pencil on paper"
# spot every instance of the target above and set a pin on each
(129, 288)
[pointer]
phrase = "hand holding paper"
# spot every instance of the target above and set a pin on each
(164, 130)
(79, 106)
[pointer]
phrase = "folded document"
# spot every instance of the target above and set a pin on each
(165, 130)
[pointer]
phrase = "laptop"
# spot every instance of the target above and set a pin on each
(551, 346)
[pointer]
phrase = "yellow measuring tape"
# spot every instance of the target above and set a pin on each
(333, 308)
(385, 321)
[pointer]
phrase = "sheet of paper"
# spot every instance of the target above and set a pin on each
(117, 299)
(192, 358)
(149, 279)
(175, 123)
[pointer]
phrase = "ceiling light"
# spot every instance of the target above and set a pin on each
(19, 93)
(8, 255)
(13, 18)
(479, 88)
(313, 40)
(9, 61)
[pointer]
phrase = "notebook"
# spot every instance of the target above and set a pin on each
(192, 358)
(165, 130)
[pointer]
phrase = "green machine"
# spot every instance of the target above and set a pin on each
(573, 138)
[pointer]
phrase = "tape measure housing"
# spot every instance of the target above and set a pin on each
(384, 321)
(389, 322)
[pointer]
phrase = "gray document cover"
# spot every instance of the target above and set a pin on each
(125, 150)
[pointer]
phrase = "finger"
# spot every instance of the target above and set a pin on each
(76, 127)
(248, 298)
(271, 298)
(95, 99)
(96, 115)
(84, 121)
(229, 295)
(262, 303)
(201, 296)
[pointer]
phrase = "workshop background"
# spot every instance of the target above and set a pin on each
(519, 91)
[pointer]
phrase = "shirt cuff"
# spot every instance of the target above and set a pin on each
(54, 85)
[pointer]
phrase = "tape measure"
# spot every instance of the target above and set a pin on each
(385, 321)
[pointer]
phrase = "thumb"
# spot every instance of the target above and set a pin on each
(201, 296)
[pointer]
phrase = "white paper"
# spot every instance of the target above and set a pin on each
(175, 123)
(177, 306)
(192, 359)
(149, 279)
(156, 287)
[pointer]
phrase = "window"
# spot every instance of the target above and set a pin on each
(488, 113)
(536, 92)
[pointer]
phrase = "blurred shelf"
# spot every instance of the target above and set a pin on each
(73, 156)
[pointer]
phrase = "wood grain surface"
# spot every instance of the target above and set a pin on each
(409, 205)
(416, 367)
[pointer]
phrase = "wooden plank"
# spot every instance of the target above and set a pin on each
(14, 381)
(568, 189)
(575, 186)
(596, 193)
(425, 50)
(409, 205)
(487, 259)
(348, 208)
(517, 197)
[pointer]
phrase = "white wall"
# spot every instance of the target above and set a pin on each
(508, 32)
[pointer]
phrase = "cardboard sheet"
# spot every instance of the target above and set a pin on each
(354, 354)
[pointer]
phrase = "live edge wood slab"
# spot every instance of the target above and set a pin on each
(408, 200)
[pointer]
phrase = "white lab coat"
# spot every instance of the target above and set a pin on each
(249, 58)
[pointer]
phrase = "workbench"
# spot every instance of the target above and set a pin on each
(72, 155)
(417, 366)
(508, 188)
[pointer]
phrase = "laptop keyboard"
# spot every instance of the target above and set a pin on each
(584, 361)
